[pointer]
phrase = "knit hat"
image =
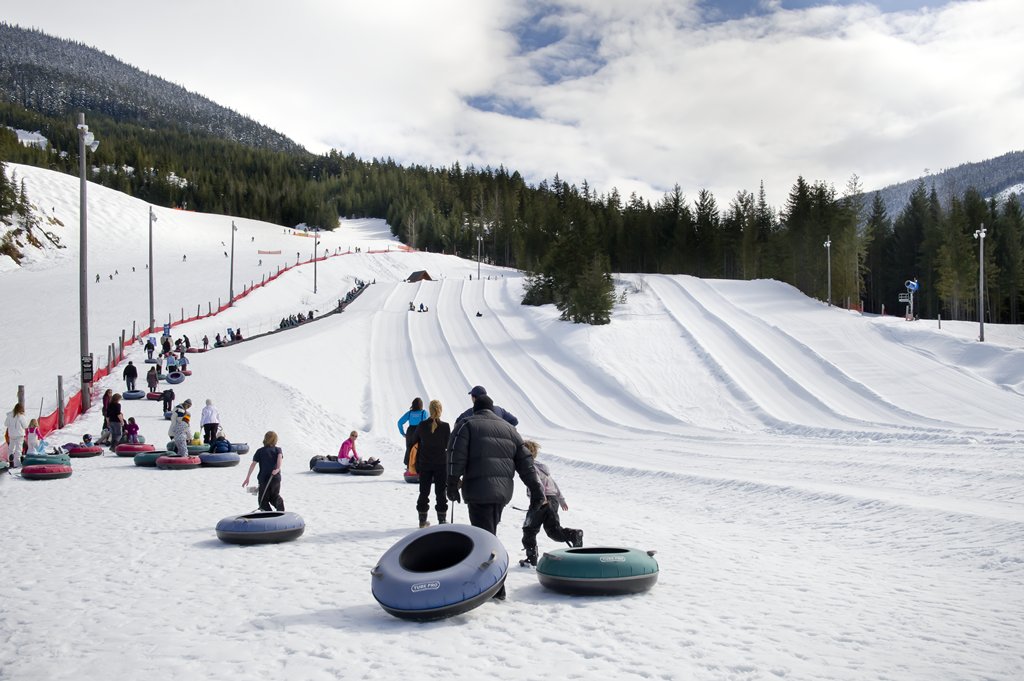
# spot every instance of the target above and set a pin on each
(483, 402)
(477, 391)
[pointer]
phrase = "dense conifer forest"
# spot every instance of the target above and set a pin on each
(570, 238)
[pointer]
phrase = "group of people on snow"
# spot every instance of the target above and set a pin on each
(476, 462)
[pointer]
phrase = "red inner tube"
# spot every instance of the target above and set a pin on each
(45, 469)
(179, 461)
(129, 447)
(82, 449)
(154, 396)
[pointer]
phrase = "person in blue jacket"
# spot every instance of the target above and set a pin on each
(413, 417)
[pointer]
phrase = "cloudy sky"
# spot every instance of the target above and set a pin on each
(634, 94)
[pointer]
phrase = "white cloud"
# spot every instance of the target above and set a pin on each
(639, 95)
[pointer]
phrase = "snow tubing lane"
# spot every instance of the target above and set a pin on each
(319, 464)
(411, 478)
(133, 394)
(148, 459)
(46, 471)
(601, 570)
(83, 452)
(264, 527)
(37, 459)
(129, 449)
(175, 377)
(174, 463)
(220, 459)
(156, 397)
(439, 572)
(356, 470)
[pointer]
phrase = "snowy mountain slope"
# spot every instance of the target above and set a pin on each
(821, 508)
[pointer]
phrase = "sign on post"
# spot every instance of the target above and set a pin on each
(87, 368)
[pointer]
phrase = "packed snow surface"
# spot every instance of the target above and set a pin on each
(830, 495)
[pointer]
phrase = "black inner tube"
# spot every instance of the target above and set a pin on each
(264, 514)
(596, 549)
(436, 551)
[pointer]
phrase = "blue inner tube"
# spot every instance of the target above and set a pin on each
(598, 570)
(220, 459)
(240, 447)
(133, 394)
(439, 572)
(175, 377)
(321, 465)
(151, 361)
(263, 527)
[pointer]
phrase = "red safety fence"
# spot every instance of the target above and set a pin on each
(73, 408)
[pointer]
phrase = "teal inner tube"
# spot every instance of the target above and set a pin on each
(263, 527)
(148, 459)
(37, 459)
(598, 570)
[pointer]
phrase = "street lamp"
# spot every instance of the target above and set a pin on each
(479, 246)
(316, 242)
(231, 275)
(828, 248)
(85, 139)
(152, 316)
(979, 234)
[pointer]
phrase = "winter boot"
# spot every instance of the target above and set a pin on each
(441, 520)
(531, 556)
(423, 520)
(574, 538)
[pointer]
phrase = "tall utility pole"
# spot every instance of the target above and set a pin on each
(828, 249)
(479, 246)
(231, 282)
(85, 139)
(979, 234)
(152, 315)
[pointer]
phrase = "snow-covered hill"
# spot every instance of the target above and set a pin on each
(831, 495)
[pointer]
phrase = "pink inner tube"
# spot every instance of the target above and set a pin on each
(80, 450)
(179, 462)
(187, 372)
(46, 470)
(154, 396)
(129, 447)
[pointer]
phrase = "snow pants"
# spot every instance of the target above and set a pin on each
(14, 450)
(437, 479)
(546, 516)
(270, 494)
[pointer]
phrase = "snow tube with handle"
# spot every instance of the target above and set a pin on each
(49, 471)
(45, 459)
(438, 572)
(410, 477)
(321, 464)
(240, 447)
(156, 397)
(220, 459)
(175, 377)
(263, 527)
(133, 394)
(598, 570)
(81, 451)
(148, 459)
(173, 463)
(129, 449)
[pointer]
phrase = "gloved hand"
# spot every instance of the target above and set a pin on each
(453, 490)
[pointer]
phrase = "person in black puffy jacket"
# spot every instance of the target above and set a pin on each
(485, 455)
